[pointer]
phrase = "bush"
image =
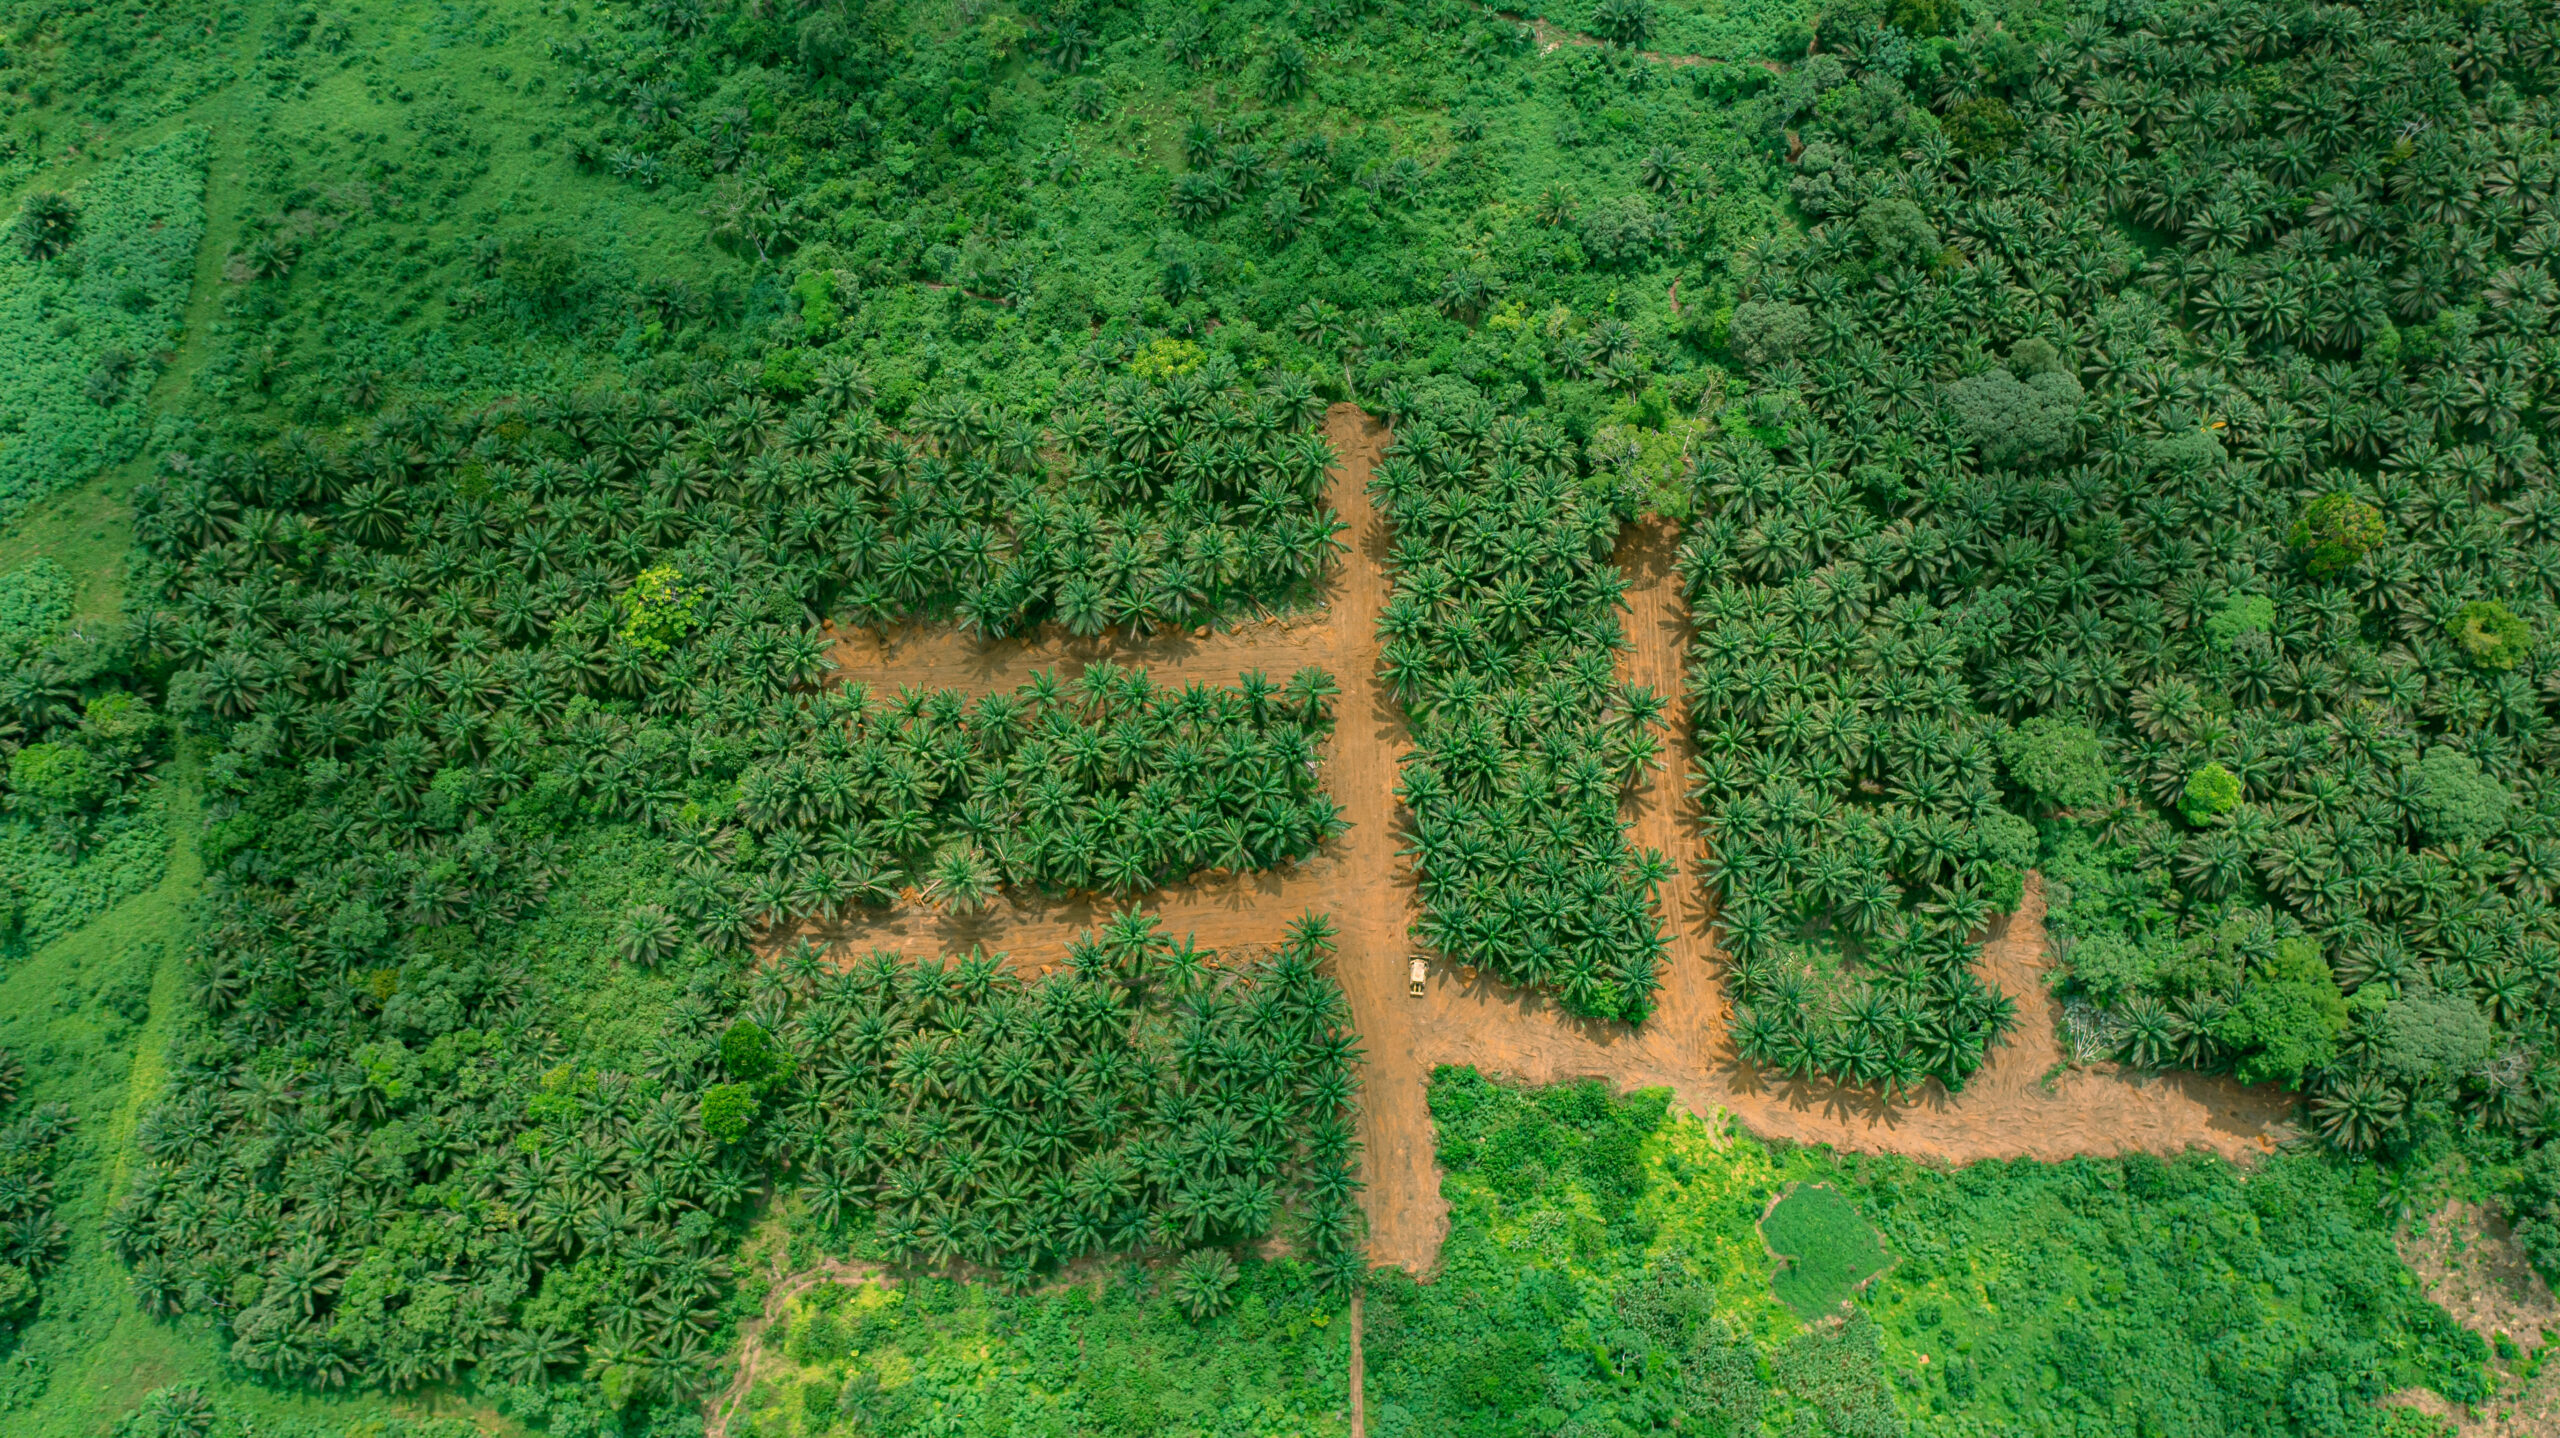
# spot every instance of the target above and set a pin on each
(749, 1054)
(2287, 1019)
(2109, 967)
(2454, 800)
(2491, 634)
(2060, 762)
(728, 1110)
(658, 608)
(2239, 615)
(2014, 418)
(1829, 1250)
(1767, 334)
(70, 329)
(2430, 1039)
(1899, 231)
(2211, 792)
(2532, 1202)
(59, 778)
(540, 270)
(2333, 532)
(1983, 127)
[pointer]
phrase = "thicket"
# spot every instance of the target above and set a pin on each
(131, 61)
(1500, 640)
(93, 285)
(31, 1238)
(79, 827)
(2124, 484)
(1113, 1355)
(1387, 197)
(1605, 1270)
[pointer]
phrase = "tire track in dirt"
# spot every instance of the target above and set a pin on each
(2021, 1104)
(721, 1410)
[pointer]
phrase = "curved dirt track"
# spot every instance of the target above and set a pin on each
(2007, 1111)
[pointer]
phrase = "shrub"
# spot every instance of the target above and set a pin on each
(749, 1054)
(540, 270)
(2287, 1018)
(2187, 452)
(2109, 967)
(1766, 334)
(2060, 762)
(59, 778)
(728, 1110)
(1829, 1250)
(2211, 792)
(1622, 232)
(1898, 230)
(2013, 420)
(2239, 615)
(2333, 532)
(2491, 634)
(658, 608)
(2532, 1202)
(2454, 800)
(1983, 127)
(72, 331)
(2429, 1038)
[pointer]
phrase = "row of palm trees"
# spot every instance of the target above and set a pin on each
(1151, 1095)
(32, 1240)
(440, 714)
(1499, 640)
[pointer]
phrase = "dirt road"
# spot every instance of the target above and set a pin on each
(2007, 1111)
(1223, 911)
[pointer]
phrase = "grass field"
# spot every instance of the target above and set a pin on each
(1830, 1251)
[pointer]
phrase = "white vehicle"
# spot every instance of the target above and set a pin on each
(1414, 974)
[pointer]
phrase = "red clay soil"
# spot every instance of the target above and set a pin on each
(2008, 1110)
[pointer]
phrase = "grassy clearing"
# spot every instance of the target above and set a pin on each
(1829, 1250)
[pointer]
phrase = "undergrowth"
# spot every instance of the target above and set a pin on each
(83, 328)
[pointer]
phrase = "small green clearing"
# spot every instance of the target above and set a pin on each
(1828, 1250)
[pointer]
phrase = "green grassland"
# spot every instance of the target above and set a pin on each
(1829, 1250)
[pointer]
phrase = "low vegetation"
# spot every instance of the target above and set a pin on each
(93, 286)
(1829, 1251)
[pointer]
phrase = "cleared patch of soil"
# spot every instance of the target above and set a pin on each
(2008, 1110)
(751, 1349)
(940, 658)
(2472, 1267)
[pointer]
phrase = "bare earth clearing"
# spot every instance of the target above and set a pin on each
(2007, 1111)
(2472, 1266)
